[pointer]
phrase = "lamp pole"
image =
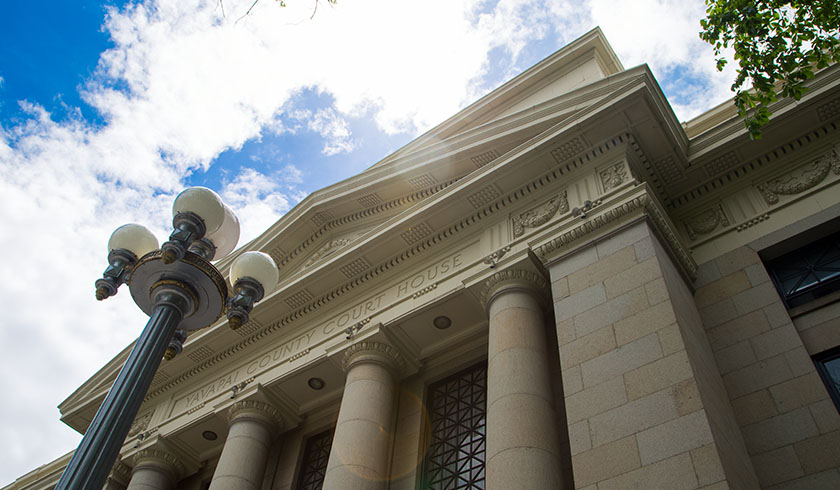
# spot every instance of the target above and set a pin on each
(181, 291)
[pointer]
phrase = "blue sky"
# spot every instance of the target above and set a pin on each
(108, 109)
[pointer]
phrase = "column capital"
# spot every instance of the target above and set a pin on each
(158, 459)
(121, 473)
(256, 410)
(372, 351)
(512, 279)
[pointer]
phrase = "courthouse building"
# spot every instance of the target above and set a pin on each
(561, 286)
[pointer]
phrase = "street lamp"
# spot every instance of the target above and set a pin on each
(181, 291)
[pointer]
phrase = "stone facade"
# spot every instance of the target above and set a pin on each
(607, 271)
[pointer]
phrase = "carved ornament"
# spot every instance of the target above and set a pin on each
(255, 410)
(706, 222)
(496, 256)
(540, 215)
(511, 276)
(161, 459)
(328, 249)
(371, 350)
(140, 424)
(613, 176)
(800, 179)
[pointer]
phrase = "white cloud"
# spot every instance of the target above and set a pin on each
(260, 200)
(183, 84)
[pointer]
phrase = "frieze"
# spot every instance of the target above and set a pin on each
(540, 215)
(800, 179)
(706, 222)
(613, 176)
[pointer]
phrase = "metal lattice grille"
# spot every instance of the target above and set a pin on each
(458, 416)
(315, 458)
(808, 272)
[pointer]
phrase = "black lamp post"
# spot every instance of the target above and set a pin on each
(181, 291)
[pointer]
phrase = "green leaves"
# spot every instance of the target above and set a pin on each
(777, 44)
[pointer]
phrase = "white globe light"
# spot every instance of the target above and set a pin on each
(256, 265)
(133, 237)
(203, 202)
(227, 236)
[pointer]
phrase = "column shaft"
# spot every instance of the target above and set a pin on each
(242, 463)
(360, 454)
(522, 440)
(150, 477)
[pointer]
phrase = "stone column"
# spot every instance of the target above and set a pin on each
(522, 439)
(360, 454)
(242, 463)
(155, 470)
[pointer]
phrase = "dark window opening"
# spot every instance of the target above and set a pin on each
(828, 365)
(458, 417)
(316, 454)
(808, 272)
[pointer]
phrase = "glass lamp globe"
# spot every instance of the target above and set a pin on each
(257, 265)
(133, 237)
(227, 236)
(203, 202)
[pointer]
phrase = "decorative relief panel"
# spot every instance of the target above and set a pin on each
(322, 217)
(298, 299)
(800, 179)
(369, 200)
(422, 181)
(721, 164)
(484, 196)
(706, 222)
(159, 378)
(249, 328)
(356, 267)
(200, 354)
(669, 171)
(277, 254)
(484, 158)
(540, 215)
(829, 110)
(613, 176)
(140, 424)
(568, 150)
(416, 233)
(328, 249)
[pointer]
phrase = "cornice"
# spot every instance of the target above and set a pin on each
(511, 277)
(372, 351)
(737, 173)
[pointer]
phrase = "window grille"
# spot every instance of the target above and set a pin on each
(458, 417)
(315, 458)
(808, 272)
